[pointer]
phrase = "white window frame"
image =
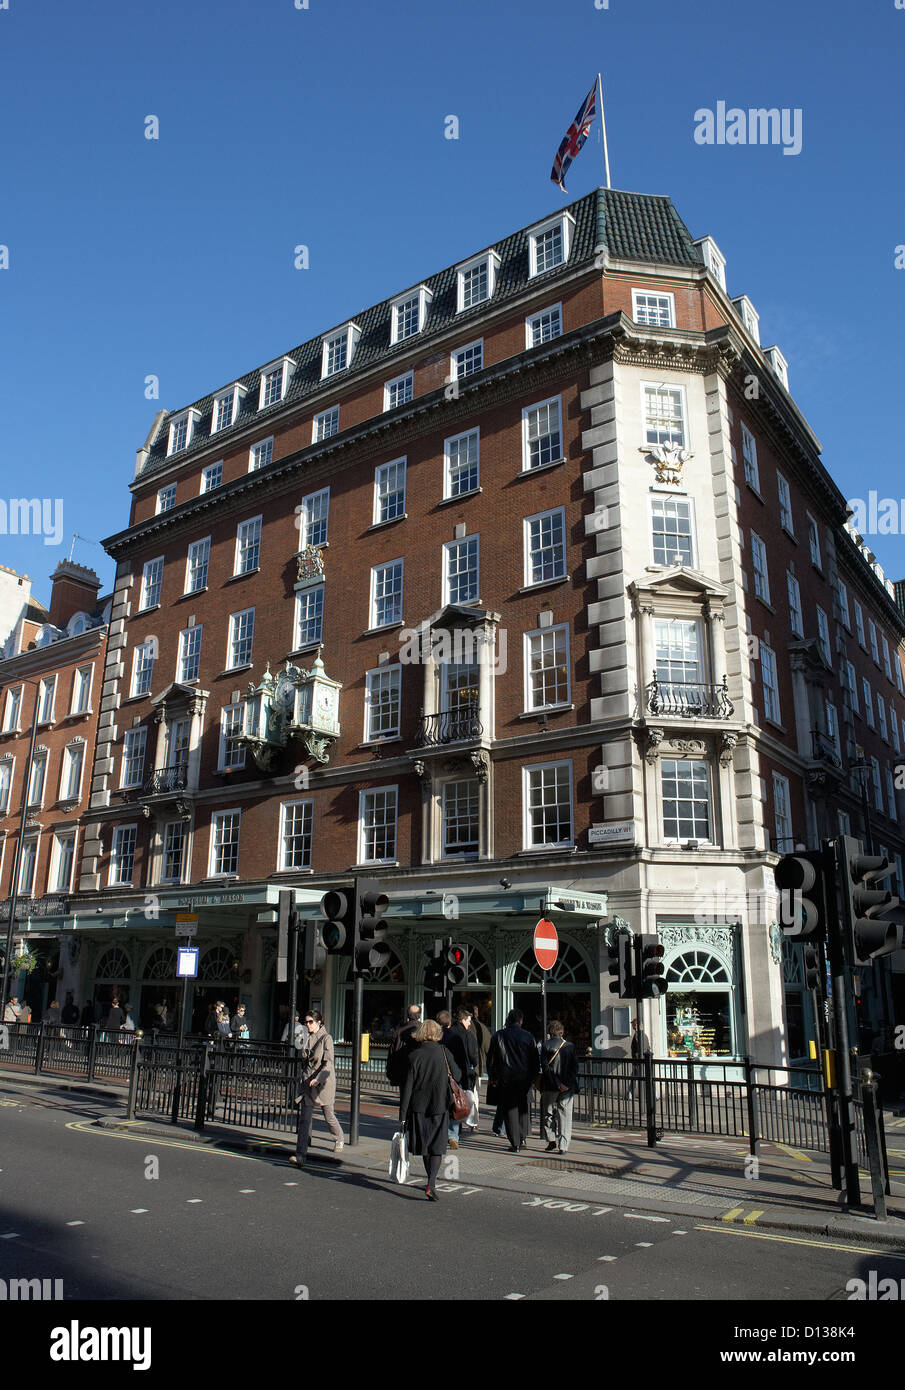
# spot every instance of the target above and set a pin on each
(216, 818)
(711, 808)
(307, 805)
(151, 580)
(47, 686)
(859, 625)
(528, 843)
(186, 640)
(82, 681)
(555, 631)
(457, 439)
(283, 367)
(325, 424)
(7, 773)
(878, 784)
(831, 715)
(669, 305)
(824, 640)
(874, 641)
(114, 872)
(139, 664)
(714, 259)
(472, 542)
(779, 364)
(12, 709)
(530, 411)
(306, 506)
(166, 849)
(379, 471)
(566, 224)
(887, 662)
(229, 715)
(784, 493)
(243, 551)
(374, 680)
(203, 547)
(190, 418)
(881, 718)
(420, 294)
(749, 316)
(235, 395)
(534, 322)
(844, 610)
(659, 388)
(166, 498)
(456, 364)
(207, 477)
(372, 605)
(405, 383)
(782, 814)
(37, 788)
(66, 762)
(54, 885)
(770, 683)
(387, 791)
(813, 541)
(491, 261)
(530, 581)
(796, 613)
(134, 756)
(867, 696)
(749, 458)
(232, 638)
(851, 684)
(759, 564)
(351, 333)
(29, 842)
(255, 460)
(473, 851)
(305, 596)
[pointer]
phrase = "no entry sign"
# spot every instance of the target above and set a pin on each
(546, 944)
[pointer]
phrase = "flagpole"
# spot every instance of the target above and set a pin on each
(606, 157)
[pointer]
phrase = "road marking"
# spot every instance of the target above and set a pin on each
(643, 1244)
(680, 1233)
(75, 1223)
(511, 1296)
(191, 1200)
(601, 1211)
(10, 1235)
(731, 1215)
(639, 1216)
(246, 1189)
(138, 1211)
(89, 1127)
(752, 1216)
(605, 1259)
(564, 1276)
(798, 1240)
(290, 1184)
(793, 1153)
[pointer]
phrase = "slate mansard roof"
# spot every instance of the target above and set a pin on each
(632, 226)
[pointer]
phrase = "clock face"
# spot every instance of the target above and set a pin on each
(324, 701)
(285, 693)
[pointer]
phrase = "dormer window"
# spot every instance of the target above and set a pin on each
(226, 408)
(749, 316)
(779, 364)
(274, 381)
(182, 427)
(476, 280)
(714, 259)
(549, 243)
(338, 350)
(408, 313)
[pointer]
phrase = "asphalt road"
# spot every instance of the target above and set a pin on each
(120, 1216)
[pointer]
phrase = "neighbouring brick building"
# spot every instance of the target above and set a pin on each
(55, 671)
(525, 590)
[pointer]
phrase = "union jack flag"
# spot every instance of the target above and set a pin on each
(574, 138)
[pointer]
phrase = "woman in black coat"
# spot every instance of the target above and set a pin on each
(425, 1101)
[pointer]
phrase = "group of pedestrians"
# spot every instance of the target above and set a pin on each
(219, 1025)
(426, 1058)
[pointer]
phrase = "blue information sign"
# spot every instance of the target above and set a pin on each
(187, 961)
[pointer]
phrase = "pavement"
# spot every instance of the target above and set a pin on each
(695, 1176)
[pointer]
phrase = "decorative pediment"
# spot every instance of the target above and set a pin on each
(177, 696)
(679, 581)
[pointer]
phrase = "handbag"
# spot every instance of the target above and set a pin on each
(399, 1157)
(460, 1105)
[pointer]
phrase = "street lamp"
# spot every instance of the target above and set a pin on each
(17, 861)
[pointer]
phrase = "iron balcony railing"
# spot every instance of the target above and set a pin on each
(450, 726)
(824, 748)
(693, 699)
(168, 779)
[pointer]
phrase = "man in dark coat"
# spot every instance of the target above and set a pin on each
(397, 1063)
(512, 1065)
(559, 1083)
(640, 1045)
(425, 1101)
(461, 1046)
(69, 1013)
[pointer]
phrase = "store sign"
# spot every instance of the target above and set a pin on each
(187, 962)
(567, 900)
(209, 900)
(35, 907)
(612, 834)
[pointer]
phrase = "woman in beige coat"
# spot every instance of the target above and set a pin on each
(317, 1086)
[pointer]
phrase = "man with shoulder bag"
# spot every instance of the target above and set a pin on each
(559, 1083)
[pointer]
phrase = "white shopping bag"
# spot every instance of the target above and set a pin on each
(399, 1158)
(472, 1119)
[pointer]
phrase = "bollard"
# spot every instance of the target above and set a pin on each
(751, 1098)
(39, 1050)
(92, 1049)
(133, 1079)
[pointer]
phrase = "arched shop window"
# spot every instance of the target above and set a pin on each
(797, 1005)
(570, 969)
(161, 964)
(217, 966)
(383, 1001)
(699, 1014)
(114, 964)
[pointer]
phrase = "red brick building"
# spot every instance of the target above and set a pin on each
(461, 593)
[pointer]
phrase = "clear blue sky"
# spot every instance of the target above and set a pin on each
(325, 127)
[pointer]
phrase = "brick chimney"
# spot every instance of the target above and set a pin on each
(74, 590)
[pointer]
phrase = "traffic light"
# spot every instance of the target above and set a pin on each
(802, 904)
(338, 930)
(869, 933)
(810, 965)
(435, 974)
(314, 951)
(285, 918)
(370, 950)
(456, 963)
(649, 968)
(621, 966)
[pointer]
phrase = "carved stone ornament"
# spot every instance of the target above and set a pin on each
(691, 746)
(318, 746)
(310, 563)
(720, 937)
(727, 747)
(669, 461)
(422, 771)
(481, 764)
(653, 738)
(816, 778)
